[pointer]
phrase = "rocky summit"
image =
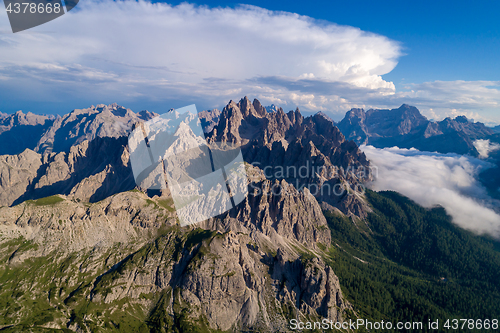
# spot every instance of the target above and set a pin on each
(308, 151)
(84, 154)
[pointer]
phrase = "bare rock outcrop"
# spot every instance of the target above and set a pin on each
(305, 152)
(20, 131)
(101, 121)
(90, 171)
(60, 224)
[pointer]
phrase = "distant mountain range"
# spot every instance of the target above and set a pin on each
(57, 134)
(19, 131)
(406, 127)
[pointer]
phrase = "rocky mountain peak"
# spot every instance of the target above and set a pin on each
(324, 115)
(248, 108)
(353, 126)
(253, 266)
(272, 108)
(411, 112)
(280, 140)
(112, 121)
(270, 138)
(229, 122)
(406, 127)
(461, 119)
(400, 121)
(146, 115)
(355, 113)
(259, 108)
(20, 118)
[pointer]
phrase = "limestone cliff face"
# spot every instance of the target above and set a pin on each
(59, 223)
(90, 171)
(242, 270)
(306, 152)
(278, 212)
(228, 281)
(209, 118)
(16, 174)
(19, 131)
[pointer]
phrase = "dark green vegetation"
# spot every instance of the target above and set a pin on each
(167, 204)
(17, 294)
(414, 264)
(52, 200)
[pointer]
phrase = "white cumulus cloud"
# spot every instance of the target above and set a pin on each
(485, 147)
(136, 49)
(146, 55)
(432, 179)
(478, 100)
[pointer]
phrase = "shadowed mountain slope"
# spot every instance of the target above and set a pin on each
(405, 127)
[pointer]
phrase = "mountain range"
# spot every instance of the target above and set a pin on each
(406, 127)
(39, 133)
(84, 249)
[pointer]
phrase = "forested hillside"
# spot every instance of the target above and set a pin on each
(414, 264)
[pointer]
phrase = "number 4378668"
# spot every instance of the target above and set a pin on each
(33, 8)
(461, 324)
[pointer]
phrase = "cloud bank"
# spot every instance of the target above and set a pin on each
(130, 49)
(158, 56)
(432, 179)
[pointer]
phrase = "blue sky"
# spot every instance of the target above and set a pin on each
(333, 55)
